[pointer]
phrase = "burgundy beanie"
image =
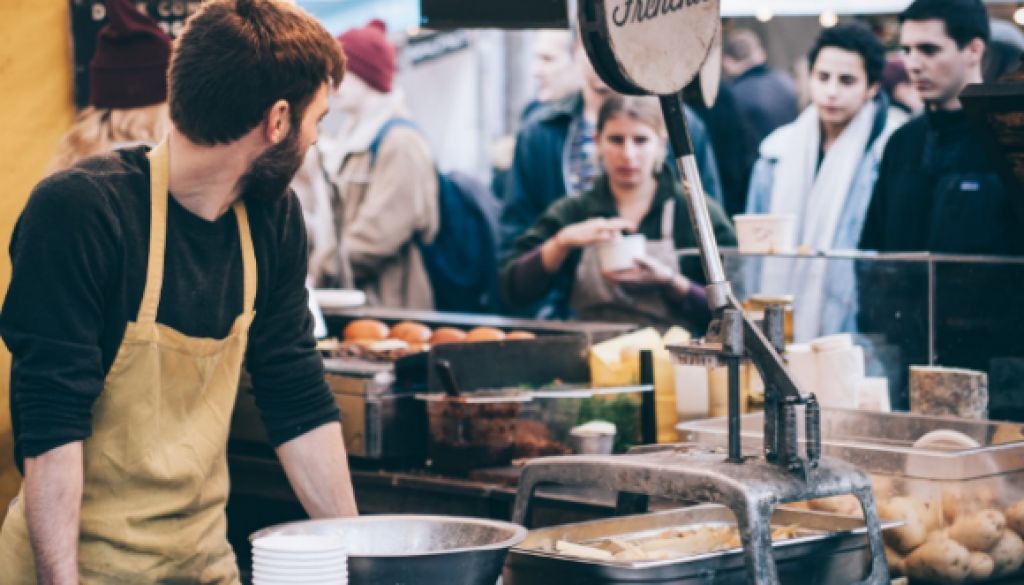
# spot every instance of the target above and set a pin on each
(129, 68)
(895, 73)
(370, 55)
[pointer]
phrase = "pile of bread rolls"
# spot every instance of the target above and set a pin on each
(416, 337)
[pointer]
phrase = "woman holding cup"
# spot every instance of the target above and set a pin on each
(611, 251)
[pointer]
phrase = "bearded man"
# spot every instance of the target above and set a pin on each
(141, 281)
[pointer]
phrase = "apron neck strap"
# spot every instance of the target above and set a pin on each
(668, 220)
(248, 255)
(159, 170)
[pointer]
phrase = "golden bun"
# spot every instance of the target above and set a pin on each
(366, 330)
(411, 333)
(447, 335)
(485, 334)
(520, 335)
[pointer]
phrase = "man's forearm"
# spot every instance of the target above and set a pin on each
(53, 504)
(317, 468)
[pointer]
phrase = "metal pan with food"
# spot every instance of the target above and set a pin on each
(691, 545)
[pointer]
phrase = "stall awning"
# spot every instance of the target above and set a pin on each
(736, 8)
(338, 16)
(732, 8)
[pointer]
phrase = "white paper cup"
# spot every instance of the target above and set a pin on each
(622, 253)
(766, 234)
(840, 342)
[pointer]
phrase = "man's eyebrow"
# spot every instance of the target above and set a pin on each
(924, 45)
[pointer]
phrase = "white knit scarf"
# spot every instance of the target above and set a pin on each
(817, 198)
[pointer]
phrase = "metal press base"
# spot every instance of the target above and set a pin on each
(752, 491)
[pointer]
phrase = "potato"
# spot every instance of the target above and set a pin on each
(1007, 554)
(930, 512)
(914, 531)
(980, 531)
(848, 505)
(957, 501)
(940, 559)
(982, 566)
(883, 487)
(1015, 518)
(895, 561)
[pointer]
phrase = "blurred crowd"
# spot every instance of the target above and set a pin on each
(866, 145)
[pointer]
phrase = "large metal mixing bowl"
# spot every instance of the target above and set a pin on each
(416, 550)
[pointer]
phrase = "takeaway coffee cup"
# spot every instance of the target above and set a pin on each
(766, 234)
(621, 253)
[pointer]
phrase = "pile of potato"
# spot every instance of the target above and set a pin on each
(963, 538)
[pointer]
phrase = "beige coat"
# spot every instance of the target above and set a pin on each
(366, 236)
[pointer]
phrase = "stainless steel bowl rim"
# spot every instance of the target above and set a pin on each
(519, 533)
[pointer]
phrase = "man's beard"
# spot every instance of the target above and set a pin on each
(268, 177)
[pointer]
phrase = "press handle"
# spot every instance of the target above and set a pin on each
(812, 421)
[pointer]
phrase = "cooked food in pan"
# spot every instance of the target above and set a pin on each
(670, 544)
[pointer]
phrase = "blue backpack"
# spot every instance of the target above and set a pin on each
(462, 261)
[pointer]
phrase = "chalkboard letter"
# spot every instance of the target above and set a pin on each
(625, 16)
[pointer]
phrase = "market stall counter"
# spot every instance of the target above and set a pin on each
(415, 448)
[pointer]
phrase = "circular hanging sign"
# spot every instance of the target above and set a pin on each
(648, 46)
(711, 71)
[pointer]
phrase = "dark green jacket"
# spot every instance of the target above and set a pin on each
(599, 202)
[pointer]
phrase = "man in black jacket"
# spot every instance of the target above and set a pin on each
(937, 191)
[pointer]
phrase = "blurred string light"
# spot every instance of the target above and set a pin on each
(764, 15)
(829, 19)
(1018, 16)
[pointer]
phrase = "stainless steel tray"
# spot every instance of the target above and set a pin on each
(886, 442)
(830, 550)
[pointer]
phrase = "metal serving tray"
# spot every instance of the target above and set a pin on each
(886, 442)
(829, 550)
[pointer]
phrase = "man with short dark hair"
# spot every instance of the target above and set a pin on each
(937, 190)
(141, 281)
(767, 98)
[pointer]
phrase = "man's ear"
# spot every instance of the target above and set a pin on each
(278, 122)
(976, 49)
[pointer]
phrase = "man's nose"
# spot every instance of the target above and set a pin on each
(912, 60)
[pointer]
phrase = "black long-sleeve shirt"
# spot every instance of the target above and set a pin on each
(938, 192)
(79, 254)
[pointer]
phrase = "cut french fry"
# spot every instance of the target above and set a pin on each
(587, 552)
(630, 549)
(669, 544)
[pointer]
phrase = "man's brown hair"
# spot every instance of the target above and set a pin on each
(237, 58)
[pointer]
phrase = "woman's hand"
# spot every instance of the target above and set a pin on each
(592, 231)
(580, 235)
(648, 273)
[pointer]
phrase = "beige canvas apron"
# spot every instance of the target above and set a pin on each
(595, 299)
(155, 467)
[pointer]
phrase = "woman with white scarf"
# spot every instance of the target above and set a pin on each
(822, 169)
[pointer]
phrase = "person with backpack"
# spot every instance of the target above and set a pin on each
(636, 193)
(376, 204)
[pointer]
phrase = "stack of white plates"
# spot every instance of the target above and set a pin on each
(299, 560)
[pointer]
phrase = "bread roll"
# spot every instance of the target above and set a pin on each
(366, 330)
(485, 334)
(520, 335)
(411, 333)
(445, 335)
